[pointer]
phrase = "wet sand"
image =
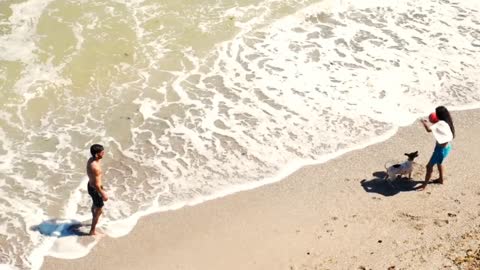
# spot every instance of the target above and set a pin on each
(336, 215)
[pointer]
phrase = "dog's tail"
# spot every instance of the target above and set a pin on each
(389, 163)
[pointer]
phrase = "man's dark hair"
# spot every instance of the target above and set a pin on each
(95, 149)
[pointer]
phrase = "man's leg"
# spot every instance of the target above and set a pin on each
(428, 175)
(96, 211)
(440, 173)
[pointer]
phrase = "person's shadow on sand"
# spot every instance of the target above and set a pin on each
(379, 184)
(62, 228)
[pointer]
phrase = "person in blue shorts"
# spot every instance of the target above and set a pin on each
(444, 132)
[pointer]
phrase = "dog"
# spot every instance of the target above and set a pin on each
(403, 168)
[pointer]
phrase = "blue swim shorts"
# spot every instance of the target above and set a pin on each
(440, 154)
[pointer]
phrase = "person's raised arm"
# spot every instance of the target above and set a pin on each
(425, 125)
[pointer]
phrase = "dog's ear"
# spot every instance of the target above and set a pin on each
(406, 154)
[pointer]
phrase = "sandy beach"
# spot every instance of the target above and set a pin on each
(336, 215)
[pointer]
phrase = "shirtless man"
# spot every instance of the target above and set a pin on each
(95, 188)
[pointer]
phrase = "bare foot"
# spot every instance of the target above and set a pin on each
(422, 187)
(95, 233)
(438, 181)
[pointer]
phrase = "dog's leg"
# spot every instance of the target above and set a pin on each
(392, 182)
(391, 177)
(410, 171)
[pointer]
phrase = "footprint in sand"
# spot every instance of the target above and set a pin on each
(419, 226)
(440, 222)
(414, 221)
(451, 215)
(409, 216)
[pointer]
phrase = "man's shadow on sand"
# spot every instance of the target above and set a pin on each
(379, 184)
(62, 228)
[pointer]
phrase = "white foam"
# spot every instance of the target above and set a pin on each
(58, 245)
(148, 107)
(69, 248)
(280, 40)
(39, 72)
(77, 29)
(7, 267)
(19, 45)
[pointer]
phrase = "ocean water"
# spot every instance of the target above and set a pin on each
(195, 100)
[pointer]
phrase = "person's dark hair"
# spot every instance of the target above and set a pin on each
(443, 114)
(95, 149)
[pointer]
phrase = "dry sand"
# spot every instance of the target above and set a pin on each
(321, 217)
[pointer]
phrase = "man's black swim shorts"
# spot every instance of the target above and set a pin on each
(96, 197)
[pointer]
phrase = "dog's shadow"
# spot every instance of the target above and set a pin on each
(379, 184)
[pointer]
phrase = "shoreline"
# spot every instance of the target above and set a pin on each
(299, 222)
